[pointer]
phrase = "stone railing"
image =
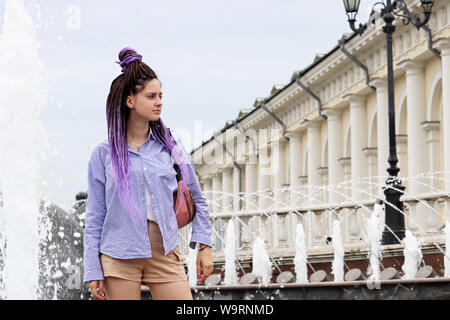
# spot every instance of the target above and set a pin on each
(425, 217)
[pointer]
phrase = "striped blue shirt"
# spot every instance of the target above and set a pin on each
(109, 228)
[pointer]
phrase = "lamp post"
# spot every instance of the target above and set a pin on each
(394, 231)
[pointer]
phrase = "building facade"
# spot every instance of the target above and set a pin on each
(316, 149)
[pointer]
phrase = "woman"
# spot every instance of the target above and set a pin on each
(131, 232)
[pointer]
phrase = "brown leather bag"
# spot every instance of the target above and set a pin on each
(187, 209)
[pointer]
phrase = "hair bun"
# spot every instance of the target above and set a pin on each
(126, 56)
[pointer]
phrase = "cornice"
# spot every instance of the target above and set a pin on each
(336, 75)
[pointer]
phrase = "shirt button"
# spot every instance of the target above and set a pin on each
(145, 169)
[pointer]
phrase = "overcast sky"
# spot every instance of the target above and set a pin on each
(213, 57)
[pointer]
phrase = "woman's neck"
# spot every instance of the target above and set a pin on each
(137, 130)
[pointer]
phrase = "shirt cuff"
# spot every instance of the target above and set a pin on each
(93, 275)
(199, 238)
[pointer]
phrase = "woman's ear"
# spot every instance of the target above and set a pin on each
(130, 102)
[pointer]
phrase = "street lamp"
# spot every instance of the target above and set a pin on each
(394, 231)
(427, 5)
(351, 7)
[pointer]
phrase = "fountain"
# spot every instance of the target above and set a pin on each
(262, 266)
(447, 249)
(368, 245)
(413, 256)
(22, 134)
(41, 244)
(231, 277)
(338, 262)
(301, 256)
(283, 235)
(374, 233)
(192, 266)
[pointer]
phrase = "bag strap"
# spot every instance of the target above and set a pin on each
(175, 165)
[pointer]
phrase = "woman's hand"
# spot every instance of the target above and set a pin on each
(204, 264)
(96, 288)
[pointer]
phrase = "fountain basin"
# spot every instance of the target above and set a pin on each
(416, 289)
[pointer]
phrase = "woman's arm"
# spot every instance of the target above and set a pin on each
(94, 217)
(201, 228)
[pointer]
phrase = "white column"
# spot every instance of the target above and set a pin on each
(382, 131)
(295, 147)
(358, 137)
(314, 178)
(402, 154)
(371, 154)
(217, 188)
(335, 169)
(415, 99)
(302, 197)
(346, 164)
(207, 186)
(251, 184)
(227, 188)
(448, 12)
(323, 171)
(264, 177)
(432, 128)
(236, 188)
(278, 172)
(444, 46)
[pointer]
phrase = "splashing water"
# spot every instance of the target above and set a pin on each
(231, 277)
(301, 256)
(262, 266)
(192, 266)
(374, 241)
(447, 250)
(338, 261)
(24, 142)
(412, 254)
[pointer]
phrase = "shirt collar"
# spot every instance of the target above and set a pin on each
(150, 135)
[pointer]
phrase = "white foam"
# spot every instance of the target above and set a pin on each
(301, 255)
(231, 277)
(373, 239)
(338, 261)
(192, 266)
(412, 254)
(23, 140)
(262, 266)
(447, 250)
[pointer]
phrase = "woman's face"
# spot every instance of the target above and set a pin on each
(147, 103)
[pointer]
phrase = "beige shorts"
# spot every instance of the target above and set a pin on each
(159, 268)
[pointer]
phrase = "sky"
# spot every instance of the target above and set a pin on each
(213, 58)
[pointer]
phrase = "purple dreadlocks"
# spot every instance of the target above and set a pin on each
(135, 75)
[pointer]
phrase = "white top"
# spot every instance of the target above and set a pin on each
(150, 212)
